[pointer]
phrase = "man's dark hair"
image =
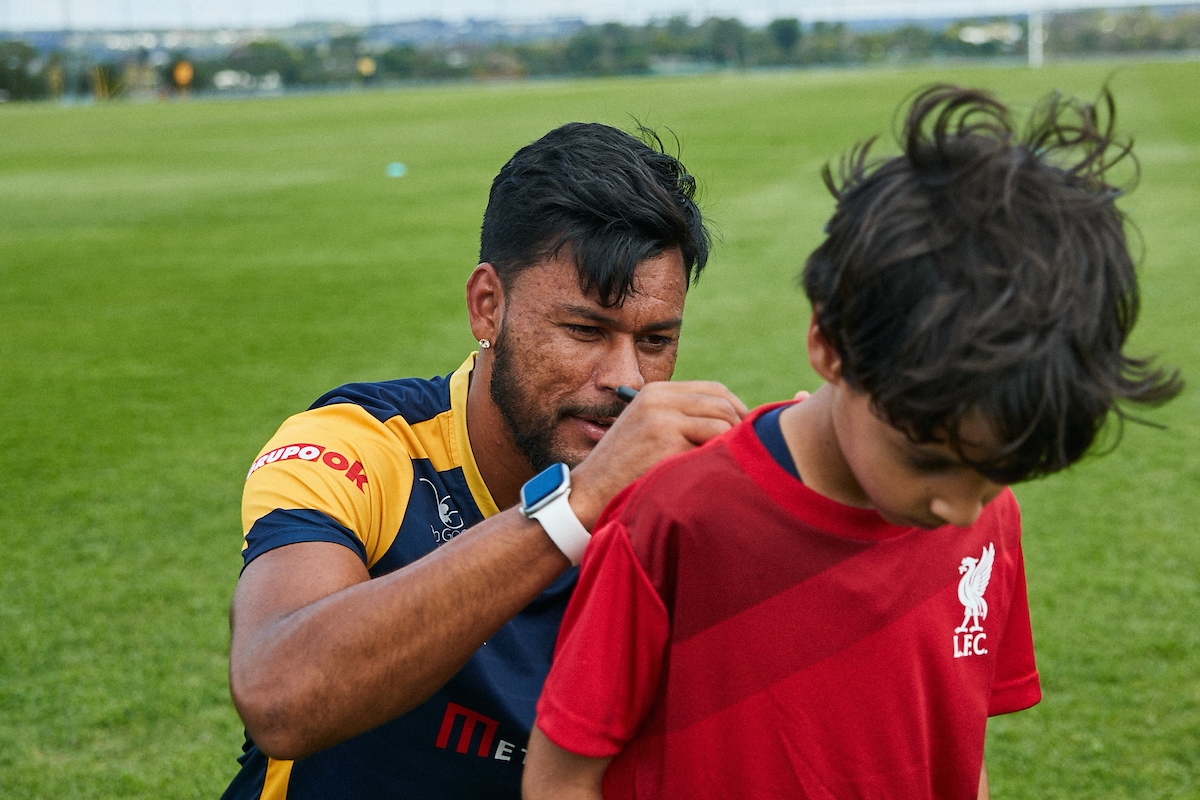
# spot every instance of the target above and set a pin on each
(599, 194)
(983, 271)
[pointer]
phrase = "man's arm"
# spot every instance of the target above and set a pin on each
(320, 653)
(552, 773)
(984, 794)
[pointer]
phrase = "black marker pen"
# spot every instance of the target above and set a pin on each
(626, 393)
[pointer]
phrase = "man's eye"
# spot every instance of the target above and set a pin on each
(584, 331)
(657, 342)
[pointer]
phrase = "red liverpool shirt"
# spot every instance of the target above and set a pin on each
(735, 634)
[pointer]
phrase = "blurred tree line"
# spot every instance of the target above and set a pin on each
(1129, 31)
(674, 45)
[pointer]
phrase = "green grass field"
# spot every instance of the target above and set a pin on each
(175, 279)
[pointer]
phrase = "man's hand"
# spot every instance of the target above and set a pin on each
(664, 419)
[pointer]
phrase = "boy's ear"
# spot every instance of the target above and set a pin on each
(822, 355)
(485, 302)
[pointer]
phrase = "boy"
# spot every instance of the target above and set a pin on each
(829, 600)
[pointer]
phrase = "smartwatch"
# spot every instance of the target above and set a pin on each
(544, 498)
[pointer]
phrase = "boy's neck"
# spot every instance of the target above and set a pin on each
(809, 433)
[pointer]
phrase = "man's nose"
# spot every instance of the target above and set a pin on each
(619, 366)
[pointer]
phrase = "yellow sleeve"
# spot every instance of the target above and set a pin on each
(337, 460)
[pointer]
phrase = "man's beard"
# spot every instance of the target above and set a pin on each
(534, 430)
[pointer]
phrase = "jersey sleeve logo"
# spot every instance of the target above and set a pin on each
(354, 472)
(976, 574)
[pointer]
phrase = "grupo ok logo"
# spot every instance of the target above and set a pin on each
(314, 452)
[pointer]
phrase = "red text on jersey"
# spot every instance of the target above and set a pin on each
(314, 452)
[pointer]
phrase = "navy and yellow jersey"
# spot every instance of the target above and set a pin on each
(386, 470)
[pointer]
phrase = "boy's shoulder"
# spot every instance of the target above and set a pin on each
(731, 494)
(703, 477)
(713, 491)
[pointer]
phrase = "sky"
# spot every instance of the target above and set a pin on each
(24, 15)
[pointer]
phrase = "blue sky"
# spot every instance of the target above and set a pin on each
(18, 15)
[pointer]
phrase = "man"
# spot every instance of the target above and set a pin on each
(392, 627)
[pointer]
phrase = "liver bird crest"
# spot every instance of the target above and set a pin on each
(976, 572)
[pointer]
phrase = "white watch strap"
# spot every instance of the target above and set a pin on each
(563, 527)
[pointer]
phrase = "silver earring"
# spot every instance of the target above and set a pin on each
(484, 344)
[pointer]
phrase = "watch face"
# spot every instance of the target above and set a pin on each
(543, 485)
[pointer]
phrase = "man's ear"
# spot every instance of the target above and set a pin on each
(485, 302)
(822, 355)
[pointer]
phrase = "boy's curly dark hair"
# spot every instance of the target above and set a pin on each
(985, 271)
